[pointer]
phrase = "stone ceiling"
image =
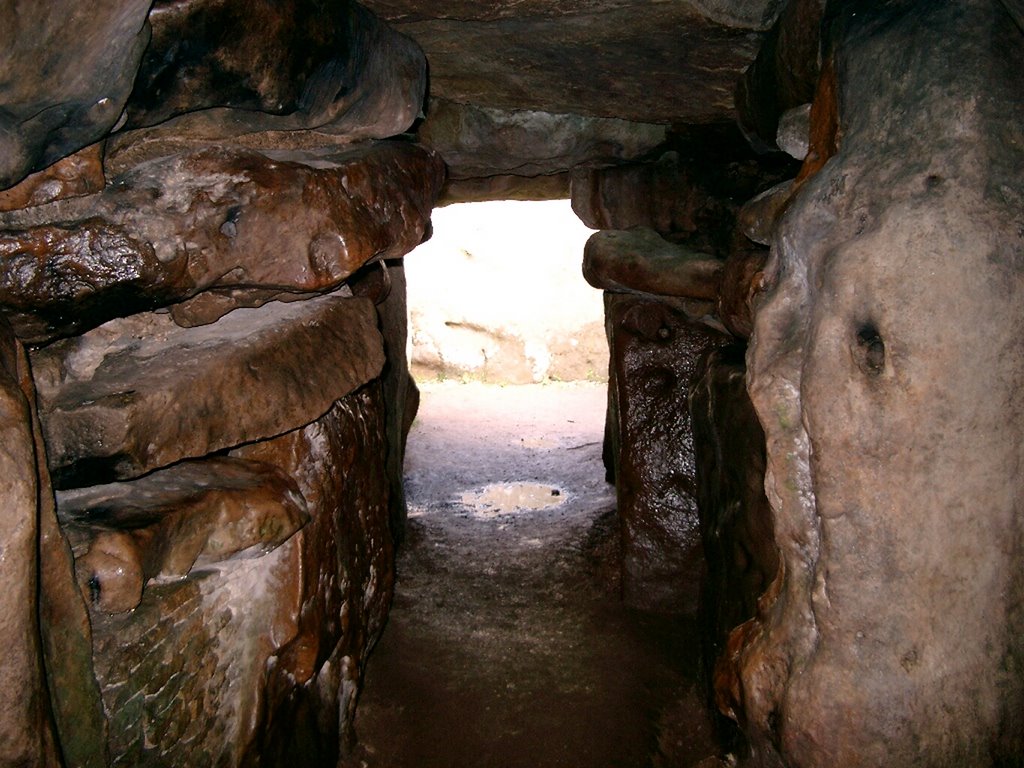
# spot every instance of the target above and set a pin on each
(650, 61)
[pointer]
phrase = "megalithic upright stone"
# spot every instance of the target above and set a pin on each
(27, 735)
(886, 367)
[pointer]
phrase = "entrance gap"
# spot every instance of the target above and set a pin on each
(507, 643)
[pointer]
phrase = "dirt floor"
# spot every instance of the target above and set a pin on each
(507, 645)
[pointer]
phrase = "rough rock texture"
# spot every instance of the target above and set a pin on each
(885, 368)
(163, 525)
(689, 193)
(65, 74)
(140, 393)
(794, 131)
(72, 176)
(343, 571)
(759, 215)
(641, 260)
(505, 187)
(735, 517)
(255, 661)
(655, 353)
(306, 60)
(237, 68)
(400, 391)
(784, 74)
(482, 141)
(742, 281)
(26, 730)
(638, 61)
(45, 625)
(245, 225)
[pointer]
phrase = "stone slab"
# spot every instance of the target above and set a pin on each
(141, 393)
(227, 219)
(640, 260)
(163, 525)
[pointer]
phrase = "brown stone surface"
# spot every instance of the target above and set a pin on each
(641, 260)
(784, 74)
(656, 351)
(343, 574)
(27, 736)
(64, 624)
(256, 661)
(399, 390)
(72, 176)
(735, 517)
(885, 368)
(742, 281)
(140, 393)
(689, 194)
(505, 187)
(482, 141)
(163, 525)
(265, 65)
(227, 219)
(639, 61)
(65, 73)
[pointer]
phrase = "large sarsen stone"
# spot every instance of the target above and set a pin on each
(140, 393)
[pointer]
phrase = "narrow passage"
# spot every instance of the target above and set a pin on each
(507, 645)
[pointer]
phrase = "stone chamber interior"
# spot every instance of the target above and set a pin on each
(809, 241)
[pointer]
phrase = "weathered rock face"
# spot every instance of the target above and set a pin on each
(141, 393)
(239, 68)
(163, 525)
(43, 717)
(885, 368)
(26, 733)
(256, 661)
(342, 569)
(641, 260)
(66, 74)
(784, 74)
(231, 599)
(482, 141)
(400, 392)
(657, 63)
(690, 193)
(239, 223)
(72, 176)
(735, 517)
(655, 353)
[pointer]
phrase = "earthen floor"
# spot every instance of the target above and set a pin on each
(507, 645)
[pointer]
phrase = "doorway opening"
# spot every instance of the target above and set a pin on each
(507, 643)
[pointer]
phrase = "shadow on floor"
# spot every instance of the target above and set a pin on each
(507, 646)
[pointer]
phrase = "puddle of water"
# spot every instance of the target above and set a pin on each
(509, 498)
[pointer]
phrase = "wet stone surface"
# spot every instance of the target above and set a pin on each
(507, 643)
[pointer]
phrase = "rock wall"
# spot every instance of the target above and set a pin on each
(202, 250)
(885, 366)
(676, 271)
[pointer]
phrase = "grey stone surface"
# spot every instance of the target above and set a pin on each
(483, 141)
(885, 368)
(638, 61)
(65, 74)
